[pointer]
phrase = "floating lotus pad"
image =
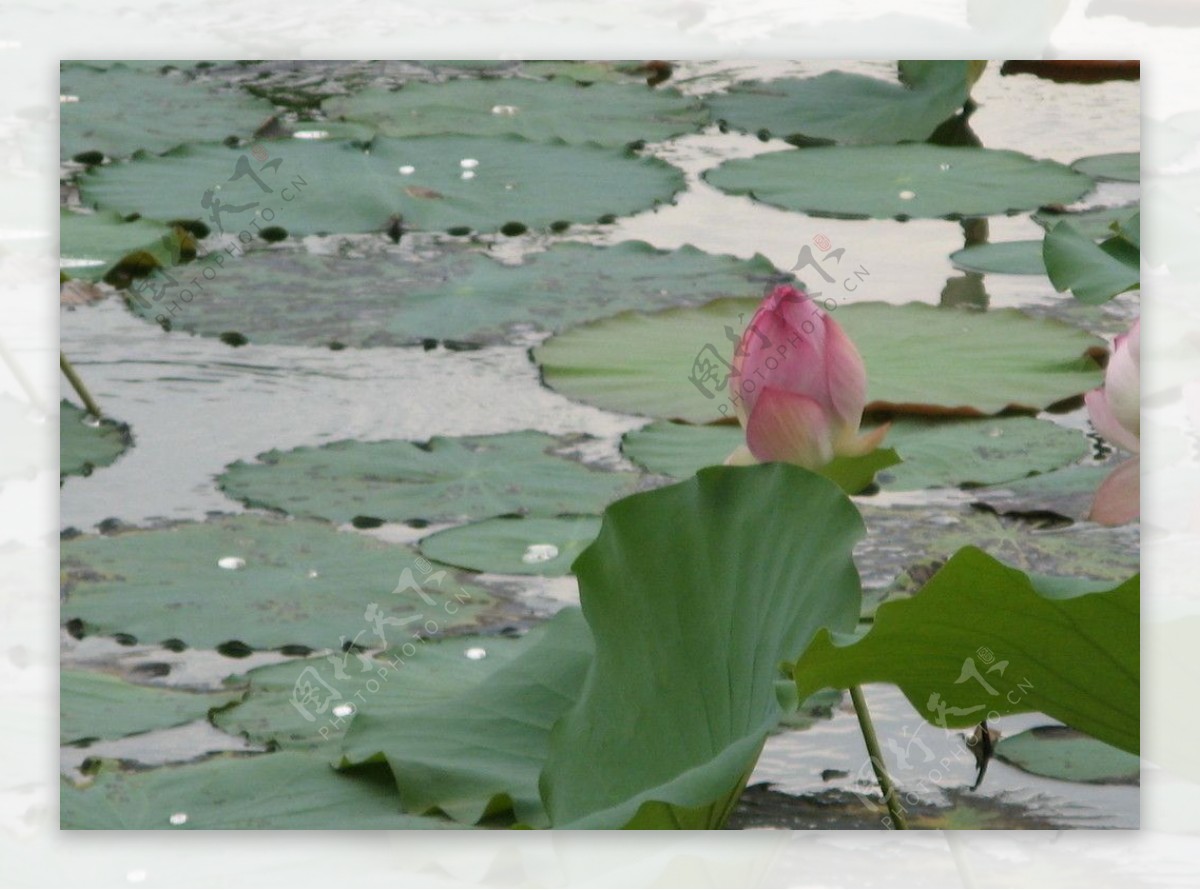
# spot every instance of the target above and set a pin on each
(1059, 752)
(1122, 166)
(338, 187)
(1068, 492)
(588, 71)
(603, 114)
(1002, 257)
(515, 546)
(930, 534)
(921, 358)
(288, 790)
(85, 445)
(849, 108)
(444, 479)
(303, 584)
(406, 294)
(934, 453)
(91, 244)
(900, 181)
(119, 110)
(99, 706)
(291, 705)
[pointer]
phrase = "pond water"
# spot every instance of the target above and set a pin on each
(196, 404)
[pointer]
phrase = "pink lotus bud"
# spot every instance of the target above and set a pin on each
(799, 386)
(1115, 407)
(1115, 411)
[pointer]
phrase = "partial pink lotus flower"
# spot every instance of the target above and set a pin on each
(1115, 409)
(799, 386)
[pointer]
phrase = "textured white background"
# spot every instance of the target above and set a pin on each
(1164, 33)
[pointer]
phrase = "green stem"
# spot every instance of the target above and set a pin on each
(881, 774)
(88, 402)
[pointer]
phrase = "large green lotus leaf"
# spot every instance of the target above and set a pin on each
(919, 358)
(1059, 752)
(445, 478)
(339, 187)
(84, 444)
(1002, 257)
(401, 297)
(304, 703)
(933, 453)
(90, 244)
(604, 113)
(510, 545)
(303, 584)
(1092, 272)
(120, 110)
(693, 601)
(900, 181)
(1096, 223)
(983, 638)
(288, 790)
(849, 108)
(479, 750)
(100, 706)
(1121, 166)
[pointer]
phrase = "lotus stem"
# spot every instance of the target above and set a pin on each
(69, 371)
(873, 751)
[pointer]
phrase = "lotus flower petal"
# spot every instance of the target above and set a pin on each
(789, 427)
(1122, 381)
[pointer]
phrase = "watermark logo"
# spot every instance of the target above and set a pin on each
(711, 370)
(316, 696)
(269, 189)
(911, 752)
